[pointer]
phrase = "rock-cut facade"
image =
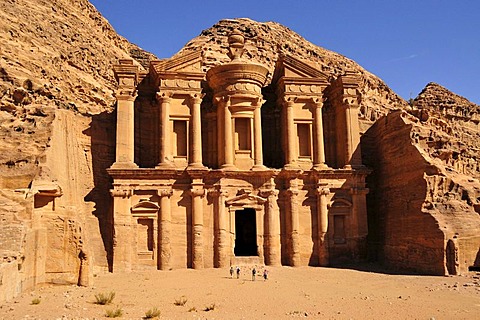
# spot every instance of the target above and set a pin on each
(222, 167)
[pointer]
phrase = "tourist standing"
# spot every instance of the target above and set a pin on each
(265, 274)
(231, 271)
(254, 272)
(238, 272)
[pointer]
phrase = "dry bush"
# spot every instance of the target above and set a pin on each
(115, 313)
(152, 313)
(36, 301)
(104, 298)
(210, 307)
(181, 302)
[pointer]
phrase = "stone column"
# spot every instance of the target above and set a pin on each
(290, 128)
(164, 230)
(319, 146)
(322, 222)
(196, 133)
(122, 224)
(228, 138)
(352, 143)
(126, 74)
(197, 193)
(359, 214)
(257, 124)
(222, 256)
(272, 228)
(164, 99)
(294, 223)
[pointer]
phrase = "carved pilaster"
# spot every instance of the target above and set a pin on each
(164, 99)
(222, 230)
(272, 228)
(197, 192)
(291, 156)
(323, 200)
(319, 145)
(294, 225)
(126, 74)
(195, 101)
(164, 230)
(122, 225)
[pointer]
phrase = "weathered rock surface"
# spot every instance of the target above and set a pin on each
(57, 108)
(55, 76)
(425, 188)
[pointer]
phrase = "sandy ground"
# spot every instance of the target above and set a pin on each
(306, 292)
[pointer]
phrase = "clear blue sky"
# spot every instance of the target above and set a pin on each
(406, 43)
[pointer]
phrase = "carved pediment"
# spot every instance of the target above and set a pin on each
(245, 200)
(145, 208)
(290, 67)
(182, 72)
(189, 62)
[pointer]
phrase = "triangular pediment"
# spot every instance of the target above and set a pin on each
(245, 199)
(290, 67)
(185, 63)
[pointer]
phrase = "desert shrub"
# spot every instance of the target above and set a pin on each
(210, 307)
(36, 301)
(192, 309)
(152, 313)
(115, 313)
(104, 298)
(181, 302)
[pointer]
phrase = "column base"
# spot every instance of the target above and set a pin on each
(320, 166)
(291, 166)
(259, 167)
(164, 165)
(124, 165)
(229, 167)
(196, 165)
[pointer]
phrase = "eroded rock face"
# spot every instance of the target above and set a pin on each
(56, 86)
(424, 199)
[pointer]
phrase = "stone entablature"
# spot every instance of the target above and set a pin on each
(211, 197)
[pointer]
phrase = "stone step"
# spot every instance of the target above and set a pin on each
(248, 261)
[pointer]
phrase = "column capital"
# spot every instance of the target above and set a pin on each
(269, 193)
(289, 101)
(121, 193)
(217, 192)
(164, 96)
(317, 102)
(197, 192)
(292, 192)
(126, 94)
(195, 98)
(165, 192)
(323, 191)
(222, 99)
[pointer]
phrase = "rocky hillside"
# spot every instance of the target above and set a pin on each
(54, 55)
(56, 76)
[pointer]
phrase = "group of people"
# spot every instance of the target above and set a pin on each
(254, 272)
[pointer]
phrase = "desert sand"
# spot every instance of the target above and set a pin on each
(305, 292)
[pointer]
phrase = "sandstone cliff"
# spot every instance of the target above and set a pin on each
(55, 77)
(57, 109)
(425, 188)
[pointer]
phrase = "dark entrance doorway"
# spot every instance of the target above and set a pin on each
(245, 233)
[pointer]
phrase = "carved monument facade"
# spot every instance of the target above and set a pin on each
(219, 166)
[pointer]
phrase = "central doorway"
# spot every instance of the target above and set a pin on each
(245, 233)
